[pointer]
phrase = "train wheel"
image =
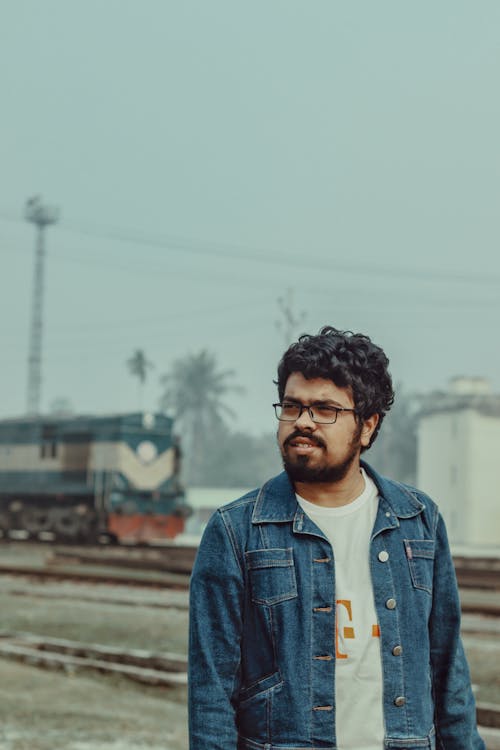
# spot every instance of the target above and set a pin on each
(35, 520)
(67, 524)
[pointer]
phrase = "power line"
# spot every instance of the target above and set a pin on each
(237, 253)
(156, 330)
(107, 349)
(345, 302)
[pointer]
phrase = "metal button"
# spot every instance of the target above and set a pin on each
(388, 514)
(400, 700)
(391, 604)
(383, 556)
(397, 650)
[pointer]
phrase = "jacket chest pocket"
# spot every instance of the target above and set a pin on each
(420, 556)
(272, 575)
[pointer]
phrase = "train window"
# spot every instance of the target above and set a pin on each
(48, 449)
(48, 443)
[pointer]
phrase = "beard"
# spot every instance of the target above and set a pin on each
(299, 470)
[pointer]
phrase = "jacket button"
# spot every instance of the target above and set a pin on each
(397, 650)
(383, 556)
(391, 604)
(400, 701)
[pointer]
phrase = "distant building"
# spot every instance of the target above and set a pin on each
(459, 459)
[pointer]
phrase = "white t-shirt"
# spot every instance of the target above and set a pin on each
(358, 666)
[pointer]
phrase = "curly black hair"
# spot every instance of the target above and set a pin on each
(350, 360)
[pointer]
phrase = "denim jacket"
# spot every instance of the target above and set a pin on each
(263, 607)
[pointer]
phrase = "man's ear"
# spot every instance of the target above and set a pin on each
(368, 429)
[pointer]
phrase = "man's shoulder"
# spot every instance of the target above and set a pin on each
(237, 519)
(249, 499)
(396, 491)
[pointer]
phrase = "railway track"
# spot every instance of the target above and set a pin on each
(166, 558)
(169, 567)
(100, 594)
(474, 601)
(157, 669)
(103, 576)
(478, 572)
(161, 670)
(472, 572)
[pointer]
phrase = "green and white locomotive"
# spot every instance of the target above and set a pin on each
(95, 478)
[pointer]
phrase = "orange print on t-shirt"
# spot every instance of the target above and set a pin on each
(348, 631)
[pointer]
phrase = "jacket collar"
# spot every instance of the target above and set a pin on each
(276, 501)
(401, 498)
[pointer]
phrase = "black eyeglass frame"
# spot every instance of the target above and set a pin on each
(309, 409)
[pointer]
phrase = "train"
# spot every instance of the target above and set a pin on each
(99, 479)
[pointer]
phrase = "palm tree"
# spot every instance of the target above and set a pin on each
(138, 366)
(194, 392)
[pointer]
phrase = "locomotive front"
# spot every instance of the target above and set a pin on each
(137, 481)
(106, 478)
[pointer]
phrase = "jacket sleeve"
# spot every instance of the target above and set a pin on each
(455, 710)
(216, 600)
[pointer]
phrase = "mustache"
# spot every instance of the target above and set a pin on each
(299, 434)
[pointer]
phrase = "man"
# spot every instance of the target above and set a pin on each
(324, 606)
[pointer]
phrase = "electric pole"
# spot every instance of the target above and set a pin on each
(290, 320)
(41, 216)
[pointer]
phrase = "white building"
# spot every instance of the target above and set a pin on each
(459, 460)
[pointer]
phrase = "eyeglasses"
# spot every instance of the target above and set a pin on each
(290, 411)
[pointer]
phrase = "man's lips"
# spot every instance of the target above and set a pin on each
(303, 443)
(302, 449)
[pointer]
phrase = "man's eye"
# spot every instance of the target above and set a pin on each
(325, 411)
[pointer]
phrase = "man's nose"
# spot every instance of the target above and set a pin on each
(304, 421)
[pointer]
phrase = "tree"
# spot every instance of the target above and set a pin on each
(194, 393)
(138, 366)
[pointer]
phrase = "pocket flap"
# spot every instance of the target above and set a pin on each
(269, 558)
(419, 548)
(261, 686)
(272, 575)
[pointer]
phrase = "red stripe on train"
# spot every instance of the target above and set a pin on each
(141, 528)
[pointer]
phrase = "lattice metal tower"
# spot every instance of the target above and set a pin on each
(41, 216)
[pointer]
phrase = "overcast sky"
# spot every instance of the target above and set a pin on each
(208, 156)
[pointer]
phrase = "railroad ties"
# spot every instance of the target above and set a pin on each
(158, 669)
(171, 558)
(477, 572)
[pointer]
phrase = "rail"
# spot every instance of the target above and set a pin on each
(160, 670)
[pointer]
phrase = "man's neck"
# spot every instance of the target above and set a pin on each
(333, 494)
